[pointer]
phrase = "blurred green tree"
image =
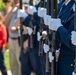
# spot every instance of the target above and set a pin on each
(2, 6)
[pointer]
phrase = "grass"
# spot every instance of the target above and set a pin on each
(6, 58)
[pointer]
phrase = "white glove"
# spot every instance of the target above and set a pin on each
(50, 57)
(54, 24)
(22, 13)
(46, 48)
(46, 19)
(73, 37)
(74, 7)
(31, 10)
(38, 36)
(73, 73)
(29, 30)
(25, 30)
(41, 12)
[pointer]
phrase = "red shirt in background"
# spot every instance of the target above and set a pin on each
(3, 35)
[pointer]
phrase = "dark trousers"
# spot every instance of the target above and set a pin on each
(29, 62)
(43, 65)
(2, 64)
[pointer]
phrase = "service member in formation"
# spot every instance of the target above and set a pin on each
(63, 26)
(29, 56)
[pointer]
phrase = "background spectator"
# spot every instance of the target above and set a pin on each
(3, 38)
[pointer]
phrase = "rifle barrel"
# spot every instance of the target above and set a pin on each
(53, 15)
(40, 30)
(47, 39)
(21, 26)
(31, 25)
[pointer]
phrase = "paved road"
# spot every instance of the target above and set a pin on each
(9, 72)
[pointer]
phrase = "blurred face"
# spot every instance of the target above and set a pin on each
(7, 4)
(66, 0)
(16, 1)
(25, 8)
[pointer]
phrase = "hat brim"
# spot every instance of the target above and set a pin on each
(25, 5)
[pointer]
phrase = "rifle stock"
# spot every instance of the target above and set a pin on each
(53, 15)
(47, 39)
(47, 62)
(40, 30)
(47, 57)
(31, 25)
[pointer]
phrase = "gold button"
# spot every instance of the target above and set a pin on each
(71, 64)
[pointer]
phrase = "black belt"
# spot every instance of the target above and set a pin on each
(18, 38)
(15, 38)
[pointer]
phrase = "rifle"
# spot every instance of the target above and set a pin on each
(31, 2)
(40, 30)
(53, 15)
(31, 25)
(47, 37)
(75, 30)
(21, 26)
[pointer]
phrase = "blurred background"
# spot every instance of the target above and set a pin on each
(2, 6)
(6, 51)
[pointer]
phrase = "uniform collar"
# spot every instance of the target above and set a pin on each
(37, 2)
(66, 3)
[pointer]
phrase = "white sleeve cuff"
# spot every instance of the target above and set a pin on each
(31, 10)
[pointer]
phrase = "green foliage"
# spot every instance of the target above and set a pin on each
(1, 5)
(6, 58)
